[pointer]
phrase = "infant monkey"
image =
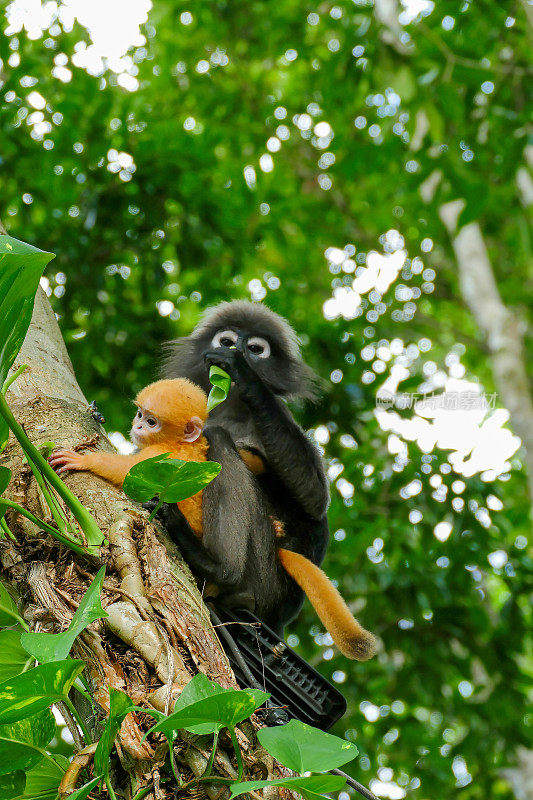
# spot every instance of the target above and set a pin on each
(170, 418)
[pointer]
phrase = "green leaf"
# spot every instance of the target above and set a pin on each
(13, 657)
(83, 791)
(170, 478)
(12, 785)
(8, 610)
(197, 689)
(21, 743)
(42, 782)
(221, 384)
(310, 787)
(225, 709)
(35, 690)
(46, 647)
(306, 749)
(21, 267)
(119, 705)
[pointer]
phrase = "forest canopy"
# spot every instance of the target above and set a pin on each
(321, 158)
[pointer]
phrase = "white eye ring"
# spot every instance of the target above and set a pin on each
(219, 335)
(257, 341)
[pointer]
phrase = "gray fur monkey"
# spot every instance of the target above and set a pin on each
(270, 471)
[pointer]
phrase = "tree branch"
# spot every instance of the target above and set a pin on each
(502, 329)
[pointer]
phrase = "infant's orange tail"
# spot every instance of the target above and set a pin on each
(351, 638)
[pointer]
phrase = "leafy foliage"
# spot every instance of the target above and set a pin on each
(415, 114)
(205, 707)
(200, 688)
(27, 726)
(5, 477)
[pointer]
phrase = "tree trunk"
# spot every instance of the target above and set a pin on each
(158, 632)
(501, 328)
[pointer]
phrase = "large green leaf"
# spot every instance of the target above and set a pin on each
(12, 785)
(35, 690)
(21, 743)
(305, 749)
(170, 478)
(46, 647)
(21, 267)
(221, 384)
(120, 705)
(225, 709)
(311, 787)
(13, 657)
(42, 782)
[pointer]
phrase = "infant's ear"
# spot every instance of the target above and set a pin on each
(193, 429)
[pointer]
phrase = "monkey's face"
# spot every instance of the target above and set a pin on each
(235, 349)
(266, 341)
(145, 428)
(260, 350)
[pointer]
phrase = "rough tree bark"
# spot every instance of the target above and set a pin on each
(158, 632)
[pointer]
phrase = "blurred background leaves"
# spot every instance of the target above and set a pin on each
(173, 155)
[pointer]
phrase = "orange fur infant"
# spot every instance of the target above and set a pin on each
(170, 417)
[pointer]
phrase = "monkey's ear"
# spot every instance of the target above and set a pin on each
(193, 429)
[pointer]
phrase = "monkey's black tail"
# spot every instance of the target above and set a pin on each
(350, 637)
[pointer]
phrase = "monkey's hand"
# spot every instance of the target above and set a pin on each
(171, 518)
(168, 515)
(233, 362)
(64, 460)
(149, 505)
